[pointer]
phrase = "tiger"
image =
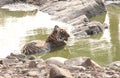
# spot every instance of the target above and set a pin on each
(56, 39)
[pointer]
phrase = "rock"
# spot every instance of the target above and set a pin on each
(24, 71)
(18, 56)
(84, 75)
(36, 2)
(79, 20)
(1, 61)
(33, 74)
(76, 61)
(71, 9)
(11, 57)
(74, 68)
(84, 61)
(80, 67)
(9, 61)
(88, 29)
(59, 61)
(32, 57)
(56, 72)
(32, 64)
(94, 28)
(90, 63)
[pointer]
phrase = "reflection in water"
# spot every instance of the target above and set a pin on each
(114, 12)
(106, 33)
(119, 29)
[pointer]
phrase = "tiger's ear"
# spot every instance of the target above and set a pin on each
(56, 27)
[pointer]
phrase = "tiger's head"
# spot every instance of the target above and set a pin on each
(61, 34)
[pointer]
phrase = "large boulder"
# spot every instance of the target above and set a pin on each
(68, 10)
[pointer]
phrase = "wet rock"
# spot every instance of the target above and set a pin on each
(95, 28)
(56, 72)
(59, 61)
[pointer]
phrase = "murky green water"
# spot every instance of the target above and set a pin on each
(16, 28)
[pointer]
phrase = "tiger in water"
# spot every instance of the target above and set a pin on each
(56, 39)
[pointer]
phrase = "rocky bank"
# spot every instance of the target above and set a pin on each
(16, 66)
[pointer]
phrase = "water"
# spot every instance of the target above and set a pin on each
(19, 27)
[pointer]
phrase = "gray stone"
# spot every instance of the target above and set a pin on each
(74, 68)
(36, 2)
(57, 72)
(88, 29)
(18, 56)
(32, 57)
(59, 61)
(84, 61)
(76, 61)
(79, 20)
(68, 10)
(9, 61)
(32, 64)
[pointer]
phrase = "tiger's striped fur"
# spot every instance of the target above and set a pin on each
(55, 39)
